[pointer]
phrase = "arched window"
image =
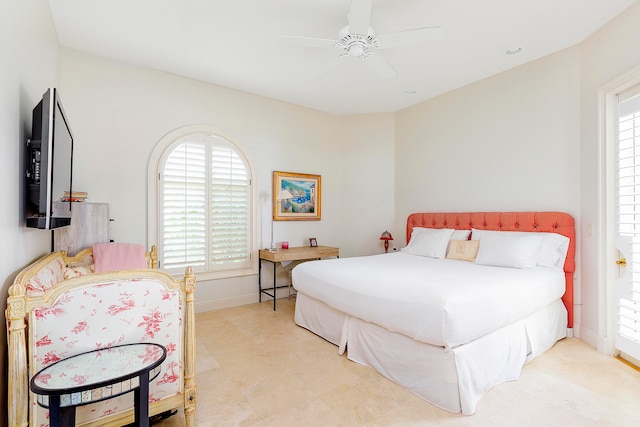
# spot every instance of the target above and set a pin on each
(203, 206)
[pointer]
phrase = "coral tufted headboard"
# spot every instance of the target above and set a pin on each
(545, 222)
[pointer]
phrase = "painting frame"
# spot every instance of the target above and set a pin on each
(306, 203)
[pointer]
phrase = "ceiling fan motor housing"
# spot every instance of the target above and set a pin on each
(357, 45)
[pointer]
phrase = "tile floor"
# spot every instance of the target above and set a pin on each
(255, 367)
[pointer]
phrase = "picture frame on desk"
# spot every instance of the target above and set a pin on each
(296, 196)
(313, 242)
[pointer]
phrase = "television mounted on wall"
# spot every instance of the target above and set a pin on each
(50, 165)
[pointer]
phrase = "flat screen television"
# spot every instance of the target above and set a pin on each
(50, 165)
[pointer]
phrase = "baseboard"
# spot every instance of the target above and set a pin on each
(589, 337)
(225, 303)
(239, 300)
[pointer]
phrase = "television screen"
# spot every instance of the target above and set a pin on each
(50, 156)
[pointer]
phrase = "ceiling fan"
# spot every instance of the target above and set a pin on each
(358, 39)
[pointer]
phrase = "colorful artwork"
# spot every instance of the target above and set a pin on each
(296, 196)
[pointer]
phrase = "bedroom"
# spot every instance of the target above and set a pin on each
(550, 106)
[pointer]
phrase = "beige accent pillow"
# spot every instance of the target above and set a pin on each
(464, 250)
(71, 272)
(85, 261)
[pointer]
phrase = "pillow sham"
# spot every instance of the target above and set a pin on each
(71, 272)
(508, 250)
(553, 250)
(460, 235)
(429, 242)
(464, 250)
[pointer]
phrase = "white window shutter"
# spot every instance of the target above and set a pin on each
(205, 205)
(229, 207)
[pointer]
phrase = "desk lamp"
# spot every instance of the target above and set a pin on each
(282, 195)
(386, 236)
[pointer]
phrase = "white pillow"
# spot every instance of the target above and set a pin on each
(460, 235)
(429, 242)
(509, 250)
(553, 250)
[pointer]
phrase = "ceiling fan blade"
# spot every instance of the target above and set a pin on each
(308, 41)
(408, 37)
(359, 17)
(331, 67)
(380, 65)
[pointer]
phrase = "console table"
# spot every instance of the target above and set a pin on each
(292, 254)
(98, 375)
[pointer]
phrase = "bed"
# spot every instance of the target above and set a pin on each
(106, 295)
(472, 325)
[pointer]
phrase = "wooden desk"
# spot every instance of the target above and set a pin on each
(292, 254)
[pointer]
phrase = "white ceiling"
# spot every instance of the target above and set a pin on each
(236, 43)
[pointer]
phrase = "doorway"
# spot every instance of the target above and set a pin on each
(622, 176)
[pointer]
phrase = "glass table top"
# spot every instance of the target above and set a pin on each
(99, 374)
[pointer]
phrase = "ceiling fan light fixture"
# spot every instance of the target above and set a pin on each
(356, 49)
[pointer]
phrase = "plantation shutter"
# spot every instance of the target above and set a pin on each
(229, 207)
(628, 214)
(204, 216)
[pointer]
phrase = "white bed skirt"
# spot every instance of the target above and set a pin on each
(453, 379)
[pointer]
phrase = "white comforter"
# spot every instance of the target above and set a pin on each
(439, 302)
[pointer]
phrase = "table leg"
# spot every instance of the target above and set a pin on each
(275, 264)
(60, 417)
(54, 411)
(68, 416)
(141, 401)
(259, 279)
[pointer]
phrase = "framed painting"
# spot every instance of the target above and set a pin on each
(296, 196)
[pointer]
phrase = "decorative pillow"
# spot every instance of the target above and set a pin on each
(46, 278)
(85, 261)
(509, 250)
(553, 250)
(118, 256)
(464, 250)
(429, 242)
(71, 272)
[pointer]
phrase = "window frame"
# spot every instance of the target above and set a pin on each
(166, 144)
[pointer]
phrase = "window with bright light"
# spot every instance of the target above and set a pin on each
(204, 205)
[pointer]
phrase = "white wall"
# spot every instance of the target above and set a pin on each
(608, 54)
(119, 112)
(366, 185)
(27, 69)
(507, 143)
